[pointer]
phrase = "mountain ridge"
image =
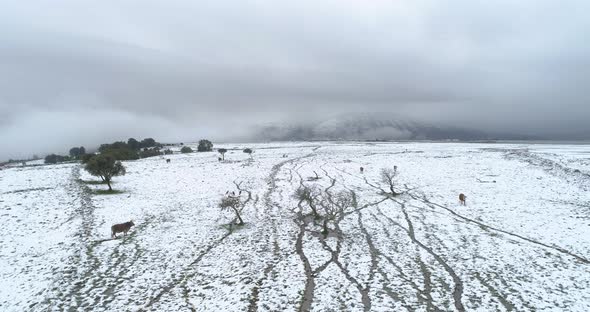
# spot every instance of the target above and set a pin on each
(374, 127)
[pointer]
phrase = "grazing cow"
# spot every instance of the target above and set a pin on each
(462, 198)
(362, 169)
(168, 160)
(122, 227)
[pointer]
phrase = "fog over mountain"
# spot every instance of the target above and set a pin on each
(375, 126)
(82, 73)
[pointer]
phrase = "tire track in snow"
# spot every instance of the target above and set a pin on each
(573, 176)
(270, 206)
(458, 290)
(83, 263)
(187, 273)
(495, 293)
(425, 200)
(364, 291)
(309, 278)
(423, 295)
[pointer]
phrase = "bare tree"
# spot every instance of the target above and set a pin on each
(233, 203)
(336, 207)
(388, 177)
(317, 177)
(311, 196)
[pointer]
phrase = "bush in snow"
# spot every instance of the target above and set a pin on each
(205, 146)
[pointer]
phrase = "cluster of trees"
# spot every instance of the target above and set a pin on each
(107, 164)
(222, 151)
(77, 152)
(204, 146)
(132, 149)
(54, 159)
(74, 154)
(325, 206)
(329, 207)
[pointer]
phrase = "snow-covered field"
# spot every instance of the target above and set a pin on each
(521, 243)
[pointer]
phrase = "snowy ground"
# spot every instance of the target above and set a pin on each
(522, 242)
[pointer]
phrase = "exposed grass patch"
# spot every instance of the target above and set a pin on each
(232, 226)
(107, 192)
(93, 182)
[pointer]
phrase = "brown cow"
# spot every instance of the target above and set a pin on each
(122, 227)
(462, 198)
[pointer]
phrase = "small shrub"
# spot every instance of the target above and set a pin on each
(186, 149)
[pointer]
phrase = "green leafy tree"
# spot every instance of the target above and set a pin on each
(205, 146)
(186, 149)
(77, 152)
(149, 152)
(86, 157)
(54, 159)
(106, 167)
(133, 144)
(149, 142)
(74, 152)
(122, 153)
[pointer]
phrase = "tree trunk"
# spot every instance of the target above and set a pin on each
(109, 184)
(241, 222)
(315, 212)
(239, 218)
(392, 191)
(325, 231)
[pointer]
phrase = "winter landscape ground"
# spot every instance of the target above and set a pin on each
(522, 242)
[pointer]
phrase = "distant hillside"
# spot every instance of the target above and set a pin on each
(373, 127)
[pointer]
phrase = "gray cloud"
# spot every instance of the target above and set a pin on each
(81, 73)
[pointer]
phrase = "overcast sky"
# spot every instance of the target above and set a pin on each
(84, 72)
